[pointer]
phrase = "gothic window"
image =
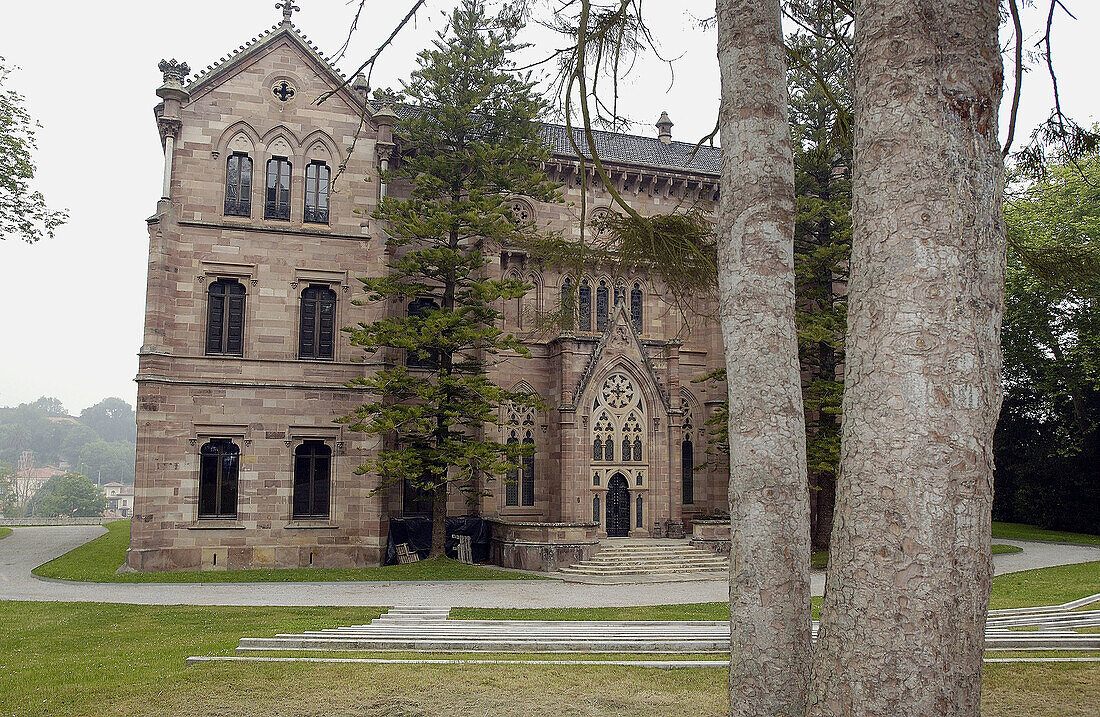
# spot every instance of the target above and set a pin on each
(584, 306)
(618, 423)
(595, 479)
(596, 509)
(601, 306)
(219, 465)
(567, 304)
(632, 437)
(636, 307)
(519, 488)
(225, 318)
(238, 185)
(527, 485)
(511, 486)
(312, 480)
(317, 325)
(419, 308)
(277, 202)
(639, 511)
(604, 429)
(521, 212)
(687, 463)
(317, 184)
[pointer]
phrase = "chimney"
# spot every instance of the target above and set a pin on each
(664, 128)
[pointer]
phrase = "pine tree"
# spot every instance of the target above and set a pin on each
(819, 81)
(469, 143)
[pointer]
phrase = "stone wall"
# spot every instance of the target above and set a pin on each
(542, 546)
(712, 535)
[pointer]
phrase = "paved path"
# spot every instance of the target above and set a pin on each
(27, 548)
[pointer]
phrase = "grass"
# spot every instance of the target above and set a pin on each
(1045, 586)
(1022, 531)
(97, 561)
(4, 532)
(98, 659)
(998, 549)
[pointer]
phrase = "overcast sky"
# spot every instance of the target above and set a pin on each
(72, 307)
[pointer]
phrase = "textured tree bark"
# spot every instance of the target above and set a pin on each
(903, 622)
(769, 505)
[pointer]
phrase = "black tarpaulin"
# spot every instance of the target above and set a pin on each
(417, 532)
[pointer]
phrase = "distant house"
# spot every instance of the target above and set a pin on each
(120, 499)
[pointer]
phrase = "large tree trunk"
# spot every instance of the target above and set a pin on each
(439, 521)
(902, 626)
(769, 505)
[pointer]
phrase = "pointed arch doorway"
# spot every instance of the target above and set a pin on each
(618, 507)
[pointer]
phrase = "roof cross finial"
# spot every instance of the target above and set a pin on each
(288, 7)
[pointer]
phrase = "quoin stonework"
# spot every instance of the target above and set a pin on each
(254, 254)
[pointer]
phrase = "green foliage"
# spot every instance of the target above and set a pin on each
(1047, 444)
(70, 495)
(23, 213)
(98, 560)
(112, 419)
(106, 462)
(9, 499)
(470, 144)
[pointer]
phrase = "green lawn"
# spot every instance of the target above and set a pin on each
(97, 561)
(1045, 586)
(4, 532)
(98, 659)
(1021, 531)
(998, 549)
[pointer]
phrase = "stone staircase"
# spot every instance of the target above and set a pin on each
(640, 556)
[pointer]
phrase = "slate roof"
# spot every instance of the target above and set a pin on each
(634, 149)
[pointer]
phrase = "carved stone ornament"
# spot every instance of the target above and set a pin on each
(174, 72)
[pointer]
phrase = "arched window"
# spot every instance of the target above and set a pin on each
(687, 462)
(317, 325)
(584, 306)
(219, 466)
(238, 185)
(225, 318)
(596, 509)
(636, 307)
(426, 359)
(601, 306)
(639, 511)
(632, 437)
(277, 202)
(317, 181)
(527, 487)
(511, 486)
(567, 304)
(687, 470)
(312, 480)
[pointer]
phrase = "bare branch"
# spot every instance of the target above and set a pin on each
(1019, 75)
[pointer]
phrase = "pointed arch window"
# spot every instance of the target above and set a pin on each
(511, 486)
(219, 466)
(317, 324)
(687, 463)
(639, 511)
(596, 509)
(238, 185)
(312, 480)
(277, 201)
(601, 307)
(317, 185)
(225, 318)
(636, 307)
(567, 304)
(527, 486)
(584, 306)
(618, 421)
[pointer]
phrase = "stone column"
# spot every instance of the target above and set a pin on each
(168, 114)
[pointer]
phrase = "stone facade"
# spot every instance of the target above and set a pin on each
(627, 384)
